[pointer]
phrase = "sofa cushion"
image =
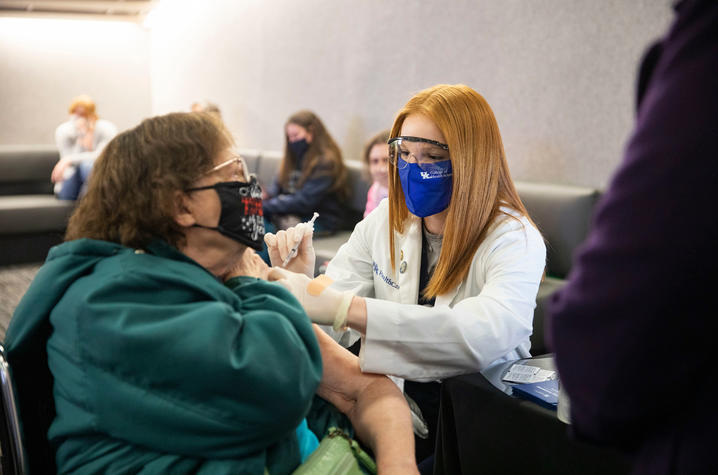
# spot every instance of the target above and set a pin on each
(268, 167)
(251, 158)
(26, 169)
(24, 214)
(359, 185)
(563, 215)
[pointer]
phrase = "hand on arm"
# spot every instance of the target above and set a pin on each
(58, 172)
(373, 403)
(250, 265)
(87, 140)
(323, 304)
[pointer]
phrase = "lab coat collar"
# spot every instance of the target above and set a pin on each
(408, 250)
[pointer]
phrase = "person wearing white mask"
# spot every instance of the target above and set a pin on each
(441, 279)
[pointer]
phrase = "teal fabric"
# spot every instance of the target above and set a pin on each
(160, 368)
(308, 442)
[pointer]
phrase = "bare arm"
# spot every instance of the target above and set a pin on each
(373, 403)
(356, 317)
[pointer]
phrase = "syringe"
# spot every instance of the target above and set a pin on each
(294, 250)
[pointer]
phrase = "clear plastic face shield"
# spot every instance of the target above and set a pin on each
(424, 152)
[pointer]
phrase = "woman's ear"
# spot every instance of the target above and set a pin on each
(182, 214)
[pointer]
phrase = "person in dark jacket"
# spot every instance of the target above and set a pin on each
(157, 340)
(312, 177)
(634, 328)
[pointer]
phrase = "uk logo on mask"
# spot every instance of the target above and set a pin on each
(426, 192)
(436, 172)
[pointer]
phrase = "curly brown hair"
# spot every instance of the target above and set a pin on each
(132, 192)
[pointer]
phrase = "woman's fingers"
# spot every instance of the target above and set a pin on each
(273, 248)
(307, 236)
(295, 234)
(280, 245)
(283, 244)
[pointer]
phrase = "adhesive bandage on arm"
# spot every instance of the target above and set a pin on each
(315, 288)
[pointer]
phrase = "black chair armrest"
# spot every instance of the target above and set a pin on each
(483, 430)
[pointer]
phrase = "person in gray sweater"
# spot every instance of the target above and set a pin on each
(80, 141)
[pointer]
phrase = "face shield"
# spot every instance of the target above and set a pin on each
(427, 154)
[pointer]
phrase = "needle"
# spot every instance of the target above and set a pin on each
(294, 250)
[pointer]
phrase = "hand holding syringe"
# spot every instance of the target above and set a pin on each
(304, 228)
(292, 248)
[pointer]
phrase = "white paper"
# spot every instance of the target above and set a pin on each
(528, 374)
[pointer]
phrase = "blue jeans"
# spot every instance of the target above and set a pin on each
(76, 183)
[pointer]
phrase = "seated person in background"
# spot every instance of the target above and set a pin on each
(376, 158)
(79, 141)
(312, 177)
(206, 106)
(163, 345)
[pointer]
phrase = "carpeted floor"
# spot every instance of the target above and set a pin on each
(14, 281)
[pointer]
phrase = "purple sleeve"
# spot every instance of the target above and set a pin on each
(637, 316)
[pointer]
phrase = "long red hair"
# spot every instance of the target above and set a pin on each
(481, 179)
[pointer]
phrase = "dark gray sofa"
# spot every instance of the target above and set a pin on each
(31, 219)
(563, 215)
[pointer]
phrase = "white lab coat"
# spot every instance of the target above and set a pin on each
(485, 320)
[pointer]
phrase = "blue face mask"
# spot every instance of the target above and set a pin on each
(299, 148)
(427, 191)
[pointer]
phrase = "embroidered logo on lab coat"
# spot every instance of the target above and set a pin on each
(387, 280)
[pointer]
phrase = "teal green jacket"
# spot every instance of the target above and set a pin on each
(158, 367)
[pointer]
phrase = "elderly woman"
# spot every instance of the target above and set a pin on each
(165, 348)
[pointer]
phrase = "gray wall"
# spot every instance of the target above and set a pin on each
(559, 73)
(45, 63)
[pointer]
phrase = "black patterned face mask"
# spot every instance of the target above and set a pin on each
(242, 218)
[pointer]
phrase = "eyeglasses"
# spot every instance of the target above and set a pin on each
(237, 159)
(426, 152)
